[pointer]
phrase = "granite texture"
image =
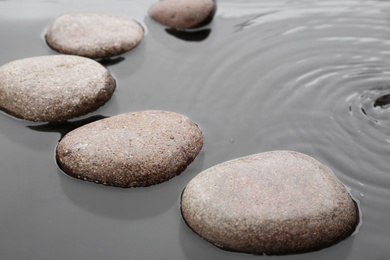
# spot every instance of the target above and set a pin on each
(278, 202)
(182, 14)
(54, 88)
(130, 150)
(93, 35)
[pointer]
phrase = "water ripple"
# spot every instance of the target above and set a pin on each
(313, 78)
(310, 76)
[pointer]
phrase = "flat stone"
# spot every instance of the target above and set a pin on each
(130, 150)
(93, 35)
(182, 14)
(54, 88)
(278, 202)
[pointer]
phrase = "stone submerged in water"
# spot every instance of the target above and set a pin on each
(182, 14)
(54, 88)
(93, 35)
(130, 150)
(278, 202)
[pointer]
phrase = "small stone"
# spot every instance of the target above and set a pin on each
(54, 88)
(132, 149)
(278, 202)
(93, 35)
(182, 14)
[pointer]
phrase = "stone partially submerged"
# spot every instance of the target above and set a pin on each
(278, 202)
(54, 88)
(93, 35)
(130, 150)
(182, 14)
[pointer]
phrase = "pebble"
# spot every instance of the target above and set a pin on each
(131, 150)
(278, 202)
(182, 14)
(93, 35)
(54, 88)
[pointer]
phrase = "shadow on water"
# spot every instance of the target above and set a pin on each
(383, 101)
(129, 203)
(17, 130)
(191, 36)
(110, 61)
(194, 247)
(65, 127)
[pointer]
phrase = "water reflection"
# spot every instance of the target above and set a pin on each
(110, 61)
(65, 127)
(130, 203)
(191, 36)
(383, 101)
(277, 74)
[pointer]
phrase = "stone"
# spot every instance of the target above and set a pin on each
(93, 35)
(131, 150)
(182, 14)
(278, 202)
(54, 88)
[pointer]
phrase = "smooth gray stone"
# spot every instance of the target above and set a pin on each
(182, 14)
(130, 150)
(93, 35)
(278, 202)
(54, 88)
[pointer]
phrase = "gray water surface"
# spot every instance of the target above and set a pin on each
(268, 75)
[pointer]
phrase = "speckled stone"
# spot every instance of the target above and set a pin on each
(93, 35)
(278, 202)
(130, 150)
(54, 88)
(182, 14)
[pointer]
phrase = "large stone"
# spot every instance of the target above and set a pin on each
(182, 14)
(54, 88)
(131, 150)
(277, 202)
(93, 35)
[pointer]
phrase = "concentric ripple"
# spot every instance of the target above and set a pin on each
(311, 76)
(326, 65)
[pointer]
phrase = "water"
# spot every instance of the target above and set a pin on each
(310, 76)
